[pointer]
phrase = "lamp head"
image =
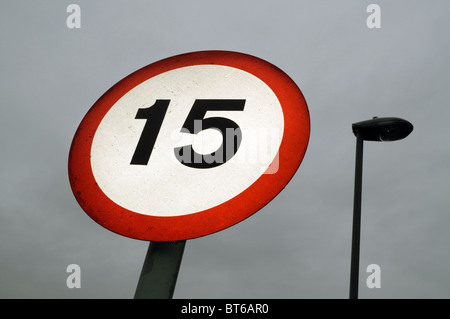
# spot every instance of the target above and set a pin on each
(383, 129)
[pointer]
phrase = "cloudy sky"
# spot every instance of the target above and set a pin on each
(298, 246)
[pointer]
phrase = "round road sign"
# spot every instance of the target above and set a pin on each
(188, 146)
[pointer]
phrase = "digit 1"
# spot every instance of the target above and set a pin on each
(154, 116)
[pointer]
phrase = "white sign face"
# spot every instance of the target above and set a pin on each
(163, 186)
(188, 146)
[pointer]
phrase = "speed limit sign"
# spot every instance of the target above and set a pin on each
(188, 146)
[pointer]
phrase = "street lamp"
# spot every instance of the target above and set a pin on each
(380, 130)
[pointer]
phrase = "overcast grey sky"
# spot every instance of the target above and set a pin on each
(298, 246)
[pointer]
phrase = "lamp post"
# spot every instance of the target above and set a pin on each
(379, 130)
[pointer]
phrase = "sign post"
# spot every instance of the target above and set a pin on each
(186, 147)
(160, 270)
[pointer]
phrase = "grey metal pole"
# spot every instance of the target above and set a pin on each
(160, 270)
(356, 232)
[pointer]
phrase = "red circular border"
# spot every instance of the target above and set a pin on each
(153, 228)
